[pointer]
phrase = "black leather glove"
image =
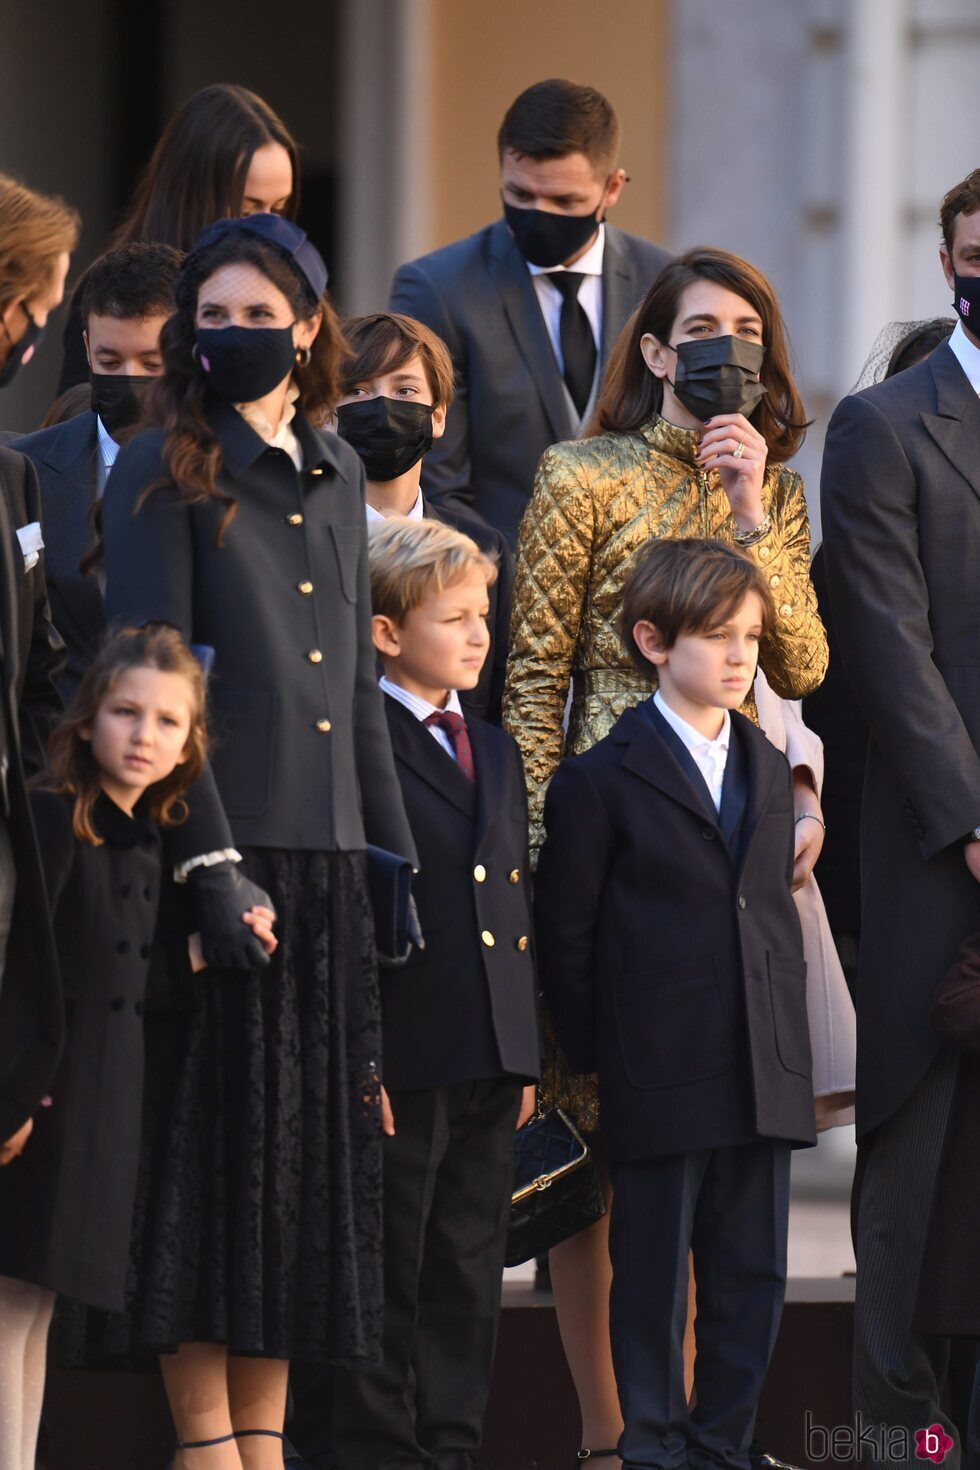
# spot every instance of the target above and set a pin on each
(222, 894)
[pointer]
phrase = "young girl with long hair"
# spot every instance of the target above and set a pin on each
(236, 521)
(120, 762)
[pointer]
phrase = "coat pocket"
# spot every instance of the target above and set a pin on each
(787, 993)
(244, 749)
(347, 545)
(672, 1025)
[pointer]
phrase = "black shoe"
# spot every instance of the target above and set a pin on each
(761, 1459)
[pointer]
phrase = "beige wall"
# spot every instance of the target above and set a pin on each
(484, 52)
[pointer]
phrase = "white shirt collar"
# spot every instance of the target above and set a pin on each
(281, 435)
(967, 354)
(589, 265)
(415, 514)
(692, 738)
(420, 708)
(108, 448)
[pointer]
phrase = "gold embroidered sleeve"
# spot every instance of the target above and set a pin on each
(554, 553)
(794, 655)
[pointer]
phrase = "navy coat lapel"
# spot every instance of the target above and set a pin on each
(490, 761)
(955, 426)
(650, 756)
(513, 281)
(414, 745)
(764, 763)
(68, 488)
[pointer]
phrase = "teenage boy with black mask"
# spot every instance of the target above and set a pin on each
(128, 295)
(397, 391)
(530, 305)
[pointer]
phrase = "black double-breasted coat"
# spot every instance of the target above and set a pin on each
(301, 757)
(66, 1204)
(670, 964)
(464, 1007)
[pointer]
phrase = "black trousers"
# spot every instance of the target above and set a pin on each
(730, 1207)
(448, 1177)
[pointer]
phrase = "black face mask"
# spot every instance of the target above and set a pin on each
(117, 399)
(389, 434)
(22, 351)
(967, 301)
(718, 375)
(243, 364)
(548, 239)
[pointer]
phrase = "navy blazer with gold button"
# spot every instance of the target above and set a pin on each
(464, 1007)
(672, 962)
(301, 756)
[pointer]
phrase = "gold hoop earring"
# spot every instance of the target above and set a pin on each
(304, 356)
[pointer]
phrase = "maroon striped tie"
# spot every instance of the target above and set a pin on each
(459, 738)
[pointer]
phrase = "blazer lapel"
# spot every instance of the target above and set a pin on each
(618, 292)
(490, 760)
(417, 748)
(513, 280)
(68, 494)
(650, 756)
(763, 761)
(955, 426)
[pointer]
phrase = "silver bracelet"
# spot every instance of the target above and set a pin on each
(813, 818)
(758, 533)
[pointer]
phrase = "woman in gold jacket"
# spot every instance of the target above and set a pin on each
(696, 421)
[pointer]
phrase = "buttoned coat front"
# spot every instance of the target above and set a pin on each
(670, 964)
(301, 757)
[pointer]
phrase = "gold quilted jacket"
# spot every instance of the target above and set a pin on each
(595, 502)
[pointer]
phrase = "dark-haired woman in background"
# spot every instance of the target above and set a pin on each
(696, 421)
(240, 524)
(223, 154)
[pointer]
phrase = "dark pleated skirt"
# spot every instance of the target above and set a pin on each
(258, 1220)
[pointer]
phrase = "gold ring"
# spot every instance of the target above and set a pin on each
(740, 450)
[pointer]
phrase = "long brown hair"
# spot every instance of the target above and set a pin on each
(198, 168)
(35, 231)
(631, 394)
(72, 768)
(178, 401)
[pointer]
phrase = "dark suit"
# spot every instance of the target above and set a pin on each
(68, 464)
(485, 699)
(671, 960)
(301, 754)
(460, 1039)
(510, 404)
(901, 519)
(31, 1015)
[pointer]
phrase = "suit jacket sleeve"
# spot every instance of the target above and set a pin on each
(794, 655)
(554, 551)
(881, 614)
(446, 467)
(40, 702)
(31, 1002)
(572, 870)
(385, 821)
(149, 555)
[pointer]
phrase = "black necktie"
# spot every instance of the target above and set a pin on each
(577, 342)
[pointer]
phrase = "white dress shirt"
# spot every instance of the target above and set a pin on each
(415, 514)
(277, 436)
(422, 709)
(710, 756)
(967, 354)
(589, 295)
(108, 454)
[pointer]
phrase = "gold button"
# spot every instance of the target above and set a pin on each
(304, 588)
(316, 472)
(295, 519)
(514, 876)
(786, 609)
(774, 581)
(480, 873)
(323, 726)
(522, 943)
(315, 656)
(764, 552)
(488, 939)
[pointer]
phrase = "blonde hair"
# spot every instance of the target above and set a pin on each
(409, 559)
(34, 231)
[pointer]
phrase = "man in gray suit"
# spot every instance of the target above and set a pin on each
(531, 305)
(901, 517)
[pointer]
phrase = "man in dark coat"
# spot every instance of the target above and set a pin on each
(901, 519)
(530, 306)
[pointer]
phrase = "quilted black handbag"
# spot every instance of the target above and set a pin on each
(556, 1187)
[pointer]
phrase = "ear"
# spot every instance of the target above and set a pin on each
(439, 421)
(649, 640)
(384, 635)
(947, 266)
(615, 186)
(88, 350)
(656, 355)
(7, 315)
(85, 732)
(305, 333)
